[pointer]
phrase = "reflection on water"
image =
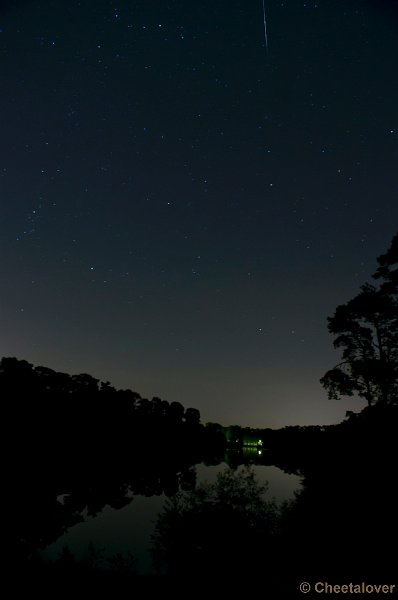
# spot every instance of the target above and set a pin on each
(281, 485)
(129, 529)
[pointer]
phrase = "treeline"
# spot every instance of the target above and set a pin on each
(341, 521)
(75, 445)
(298, 449)
(65, 412)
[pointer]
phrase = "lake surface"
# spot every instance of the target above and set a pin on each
(129, 529)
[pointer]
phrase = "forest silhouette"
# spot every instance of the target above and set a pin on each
(76, 445)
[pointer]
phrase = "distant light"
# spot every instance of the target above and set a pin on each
(260, 451)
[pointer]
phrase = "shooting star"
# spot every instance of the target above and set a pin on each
(265, 28)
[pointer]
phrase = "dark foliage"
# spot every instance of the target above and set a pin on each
(76, 445)
(338, 528)
(366, 329)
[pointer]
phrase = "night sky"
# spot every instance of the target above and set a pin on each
(181, 207)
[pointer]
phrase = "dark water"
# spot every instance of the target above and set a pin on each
(129, 529)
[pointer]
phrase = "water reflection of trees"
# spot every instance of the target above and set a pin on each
(339, 527)
(76, 446)
(216, 527)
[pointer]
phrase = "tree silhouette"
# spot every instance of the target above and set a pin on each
(217, 529)
(366, 328)
(81, 444)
